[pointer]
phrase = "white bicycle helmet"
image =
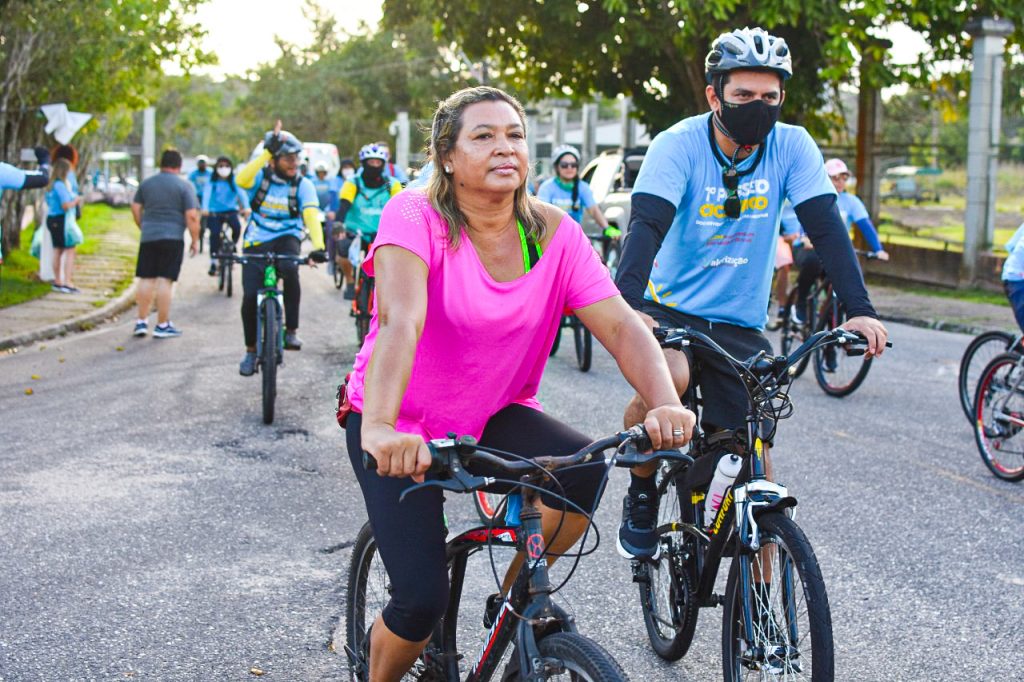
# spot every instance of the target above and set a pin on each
(748, 48)
(320, 166)
(562, 150)
(202, 158)
(373, 151)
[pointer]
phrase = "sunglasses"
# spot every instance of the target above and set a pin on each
(731, 180)
(568, 165)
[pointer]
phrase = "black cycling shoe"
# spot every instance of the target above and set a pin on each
(247, 367)
(292, 341)
(492, 608)
(638, 536)
(212, 272)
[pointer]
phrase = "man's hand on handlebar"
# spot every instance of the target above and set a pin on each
(398, 454)
(669, 426)
(317, 256)
(873, 330)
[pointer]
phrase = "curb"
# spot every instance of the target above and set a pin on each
(938, 325)
(77, 324)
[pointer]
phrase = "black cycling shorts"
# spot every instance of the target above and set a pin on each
(55, 224)
(725, 398)
(160, 258)
(411, 535)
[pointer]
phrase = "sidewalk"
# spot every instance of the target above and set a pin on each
(97, 275)
(58, 314)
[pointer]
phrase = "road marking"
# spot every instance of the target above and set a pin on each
(953, 476)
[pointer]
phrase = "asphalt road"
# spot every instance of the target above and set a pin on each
(153, 528)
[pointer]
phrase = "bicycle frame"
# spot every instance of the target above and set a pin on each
(999, 405)
(269, 290)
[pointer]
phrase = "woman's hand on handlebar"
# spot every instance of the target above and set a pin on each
(397, 454)
(669, 426)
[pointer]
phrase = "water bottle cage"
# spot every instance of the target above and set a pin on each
(751, 499)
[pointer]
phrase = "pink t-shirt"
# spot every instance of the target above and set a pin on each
(484, 343)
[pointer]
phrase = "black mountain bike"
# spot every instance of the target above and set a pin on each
(999, 416)
(270, 323)
(982, 349)
(225, 260)
(362, 304)
(547, 645)
(838, 374)
(776, 622)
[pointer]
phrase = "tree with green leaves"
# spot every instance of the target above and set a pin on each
(98, 56)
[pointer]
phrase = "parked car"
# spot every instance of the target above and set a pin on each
(911, 182)
(611, 176)
(313, 152)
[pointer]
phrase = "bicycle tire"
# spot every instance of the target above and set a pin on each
(220, 276)
(996, 421)
(667, 599)
(368, 591)
(797, 625)
(793, 334)
(363, 306)
(979, 353)
(229, 267)
(612, 255)
(584, 342)
(339, 276)
(582, 658)
(837, 373)
(489, 506)
(268, 361)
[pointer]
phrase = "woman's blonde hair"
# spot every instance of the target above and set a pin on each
(60, 170)
(441, 189)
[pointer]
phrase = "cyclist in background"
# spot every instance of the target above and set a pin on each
(360, 204)
(391, 169)
(222, 198)
(1013, 274)
(282, 202)
(566, 190)
(854, 215)
(199, 177)
(700, 249)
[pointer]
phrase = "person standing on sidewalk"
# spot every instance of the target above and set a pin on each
(61, 200)
(164, 206)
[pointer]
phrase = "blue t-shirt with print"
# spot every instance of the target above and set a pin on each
(58, 195)
(324, 188)
(221, 196)
(553, 193)
(272, 218)
(709, 265)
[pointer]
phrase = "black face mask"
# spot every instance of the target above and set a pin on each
(748, 124)
(372, 174)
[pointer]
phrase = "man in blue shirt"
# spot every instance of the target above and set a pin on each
(704, 222)
(199, 179)
(282, 202)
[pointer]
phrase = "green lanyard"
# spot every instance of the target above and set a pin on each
(530, 256)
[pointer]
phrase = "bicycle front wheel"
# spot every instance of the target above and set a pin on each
(794, 333)
(228, 268)
(999, 417)
(268, 360)
(574, 657)
(777, 623)
(980, 351)
(221, 266)
(584, 341)
(667, 597)
(837, 373)
(489, 506)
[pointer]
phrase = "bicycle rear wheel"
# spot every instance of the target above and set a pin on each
(667, 598)
(980, 351)
(837, 373)
(584, 342)
(229, 267)
(363, 298)
(999, 417)
(571, 656)
(268, 359)
(789, 635)
(558, 338)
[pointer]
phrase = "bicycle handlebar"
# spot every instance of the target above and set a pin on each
(449, 457)
(266, 258)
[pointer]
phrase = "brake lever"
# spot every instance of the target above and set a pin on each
(459, 484)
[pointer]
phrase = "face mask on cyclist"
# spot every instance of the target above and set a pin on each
(748, 124)
(223, 171)
(372, 173)
(348, 173)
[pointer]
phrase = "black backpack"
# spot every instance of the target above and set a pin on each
(293, 193)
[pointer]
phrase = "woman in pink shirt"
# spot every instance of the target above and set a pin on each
(472, 277)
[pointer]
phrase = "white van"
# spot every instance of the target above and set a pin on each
(313, 152)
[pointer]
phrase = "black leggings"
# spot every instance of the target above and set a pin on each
(252, 282)
(810, 269)
(411, 536)
(214, 222)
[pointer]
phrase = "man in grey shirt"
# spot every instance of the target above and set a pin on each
(164, 206)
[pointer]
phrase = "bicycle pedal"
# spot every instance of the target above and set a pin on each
(641, 572)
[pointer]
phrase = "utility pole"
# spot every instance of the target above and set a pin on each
(589, 150)
(400, 129)
(628, 125)
(983, 130)
(148, 143)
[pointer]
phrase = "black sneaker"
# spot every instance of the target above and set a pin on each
(212, 272)
(491, 609)
(292, 341)
(638, 537)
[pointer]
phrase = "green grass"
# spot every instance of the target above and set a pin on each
(19, 277)
(968, 295)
